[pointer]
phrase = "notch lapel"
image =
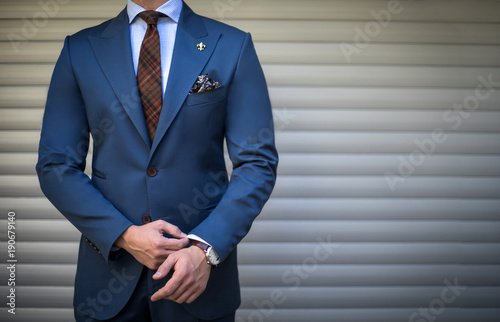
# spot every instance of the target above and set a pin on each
(114, 54)
(187, 64)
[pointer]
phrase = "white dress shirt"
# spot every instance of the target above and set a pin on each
(167, 29)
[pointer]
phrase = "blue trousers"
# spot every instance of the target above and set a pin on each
(141, 309)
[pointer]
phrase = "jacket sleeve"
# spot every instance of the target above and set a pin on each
(250, 141)
(61, 161)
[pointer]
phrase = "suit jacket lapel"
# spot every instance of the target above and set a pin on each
(114, 54)
(187, 64)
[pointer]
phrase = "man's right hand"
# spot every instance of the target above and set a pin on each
(148, 245)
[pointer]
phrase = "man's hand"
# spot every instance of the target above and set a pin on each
(190, 278)
(148, 245)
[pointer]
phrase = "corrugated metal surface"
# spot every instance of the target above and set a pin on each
(387, 207)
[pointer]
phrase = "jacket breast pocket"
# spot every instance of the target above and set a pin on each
(199, 99)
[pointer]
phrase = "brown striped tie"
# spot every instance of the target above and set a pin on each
(149, 72)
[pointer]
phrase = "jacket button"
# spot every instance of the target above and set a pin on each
(146, 219)
(152, 172)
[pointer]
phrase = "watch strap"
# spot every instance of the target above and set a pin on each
(200, 244)
(205, 247)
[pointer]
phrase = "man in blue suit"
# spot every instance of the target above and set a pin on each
(160, 219)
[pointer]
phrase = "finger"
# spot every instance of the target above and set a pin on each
(175, 281)
(164, 268)
(192, 297)
(154, 263)
(176, 244)
(193, 292)
(161, 254)
(169, 244)
(170, 288)
(181, 293)
(187, 287)
(162, 293)
(171, 229)
(166, 291)
(169, 252)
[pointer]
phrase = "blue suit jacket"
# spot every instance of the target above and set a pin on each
(94, 90)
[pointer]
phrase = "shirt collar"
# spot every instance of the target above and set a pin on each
(171, 8)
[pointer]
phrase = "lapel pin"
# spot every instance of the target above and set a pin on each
(201, 46)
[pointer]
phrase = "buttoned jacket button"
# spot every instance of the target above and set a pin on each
(152, 172)
(146, 219)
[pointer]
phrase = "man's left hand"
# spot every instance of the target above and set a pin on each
(190, 277)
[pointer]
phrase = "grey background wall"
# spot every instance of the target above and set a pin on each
(387, 206)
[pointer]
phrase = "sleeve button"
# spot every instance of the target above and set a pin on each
(146, 219)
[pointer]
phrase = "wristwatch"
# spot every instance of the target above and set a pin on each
(210, 254)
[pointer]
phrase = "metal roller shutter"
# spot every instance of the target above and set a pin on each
(387, 206)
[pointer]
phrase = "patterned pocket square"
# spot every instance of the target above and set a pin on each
(203, 84)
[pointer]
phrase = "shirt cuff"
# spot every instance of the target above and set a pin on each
(194, 237)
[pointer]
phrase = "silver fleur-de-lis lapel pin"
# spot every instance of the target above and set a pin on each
(201, 46)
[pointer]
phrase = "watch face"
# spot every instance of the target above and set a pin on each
(212, 256)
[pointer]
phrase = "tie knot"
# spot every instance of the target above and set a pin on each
(150, 16)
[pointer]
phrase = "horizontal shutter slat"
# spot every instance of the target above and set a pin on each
(295, 30)
(322, 297)
(331, 142)
(305, 231)
(324, 275)
(306, 52)
(313, 120)
(295, 253)
(334, 186)
(323, 209)
(284, 98)
(328, 164)
(431, 11)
